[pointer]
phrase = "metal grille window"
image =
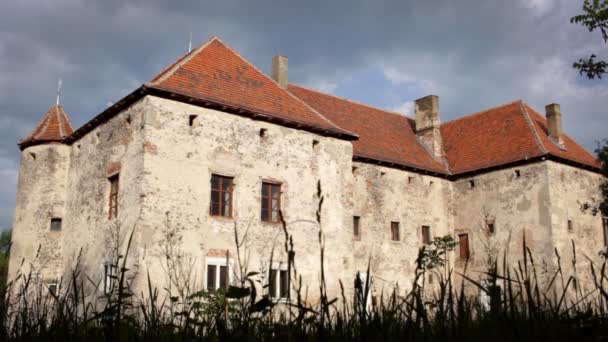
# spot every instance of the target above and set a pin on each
(221, 196)
(395, 231)
(110, 276)
(463, 241)
(55, 224)
(114, 185)
(426, 235)
(271, 202)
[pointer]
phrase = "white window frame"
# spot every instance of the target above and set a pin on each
(276, 297)
(109, 272)
(217, 262)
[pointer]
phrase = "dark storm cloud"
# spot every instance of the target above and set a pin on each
(474, 54)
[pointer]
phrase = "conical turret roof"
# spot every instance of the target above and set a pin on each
(55, 126)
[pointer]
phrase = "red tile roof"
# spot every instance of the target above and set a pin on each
(216, 73)
(54, 127)
(383, 136)
(499, 136)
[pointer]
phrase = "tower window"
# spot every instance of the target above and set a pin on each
(570, 225)
(517, 173)
(113, 208)
(55, 224)
(471, 184)
(191, 119)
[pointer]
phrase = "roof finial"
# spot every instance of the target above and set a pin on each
(59, 82)
(190, 43)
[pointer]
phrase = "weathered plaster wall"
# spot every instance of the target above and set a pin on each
(569, 189)
(40, 197)
(113, 147)
(179, 161)
(383, 195)
(518, 206)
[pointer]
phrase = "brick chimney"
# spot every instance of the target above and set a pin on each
(279, 70)
(428, 124)
(554, 123)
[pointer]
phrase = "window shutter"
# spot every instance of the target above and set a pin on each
(464, 245)
(211, 276)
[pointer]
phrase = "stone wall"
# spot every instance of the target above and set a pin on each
(178, 165)
(383, 195)
(40, 197)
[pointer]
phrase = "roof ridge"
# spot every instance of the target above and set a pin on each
(468, 116)
(167, 72)
(526, 115)
(351, 101)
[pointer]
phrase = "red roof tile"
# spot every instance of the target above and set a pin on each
(490, 138)
(572, 150)
(383, 135)
(214, 72)
(54, 127)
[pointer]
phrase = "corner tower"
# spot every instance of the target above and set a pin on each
(39, 209)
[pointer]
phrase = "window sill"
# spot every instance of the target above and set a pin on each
(357, 239)
(222, 218)
(281, 300)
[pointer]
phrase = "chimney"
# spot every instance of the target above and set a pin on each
(554, 123)
(279, 70)
(428, 124)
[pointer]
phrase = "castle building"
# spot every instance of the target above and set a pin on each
(212, 154)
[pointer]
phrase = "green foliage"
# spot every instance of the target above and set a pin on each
(594, 17)
(5, 244)
(435, 254)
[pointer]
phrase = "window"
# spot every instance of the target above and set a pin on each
(55, 224)
(221, 196)
(271, 202)
(113, 212)
(278, 282)
(363, 291)
(463, 241)
(218, 275)
(110, 276)
(395, 231)
(471, 184)
(491, 228)
(356, 228)
(52, 288)
(426, 235)
(517, 174)
(191, 119)
(605, 225)
(570, 225)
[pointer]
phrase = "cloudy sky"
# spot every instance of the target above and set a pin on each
(473, 54)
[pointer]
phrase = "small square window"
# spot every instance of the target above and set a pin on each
(395, 231)
(471, 184)
(517, 174)
(191, 119)
(491, 227)
(55, 224)
(426, 234)
(570, 225)
(356, 228)
(52, 289)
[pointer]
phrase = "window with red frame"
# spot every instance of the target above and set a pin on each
(271, 202)
(221, 196)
